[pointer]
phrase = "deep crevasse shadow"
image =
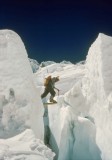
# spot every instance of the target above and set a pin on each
(49, 139)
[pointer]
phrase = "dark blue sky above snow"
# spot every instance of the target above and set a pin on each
(57, 30)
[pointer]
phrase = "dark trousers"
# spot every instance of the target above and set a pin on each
(48, 90)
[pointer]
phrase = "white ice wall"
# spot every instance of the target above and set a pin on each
(22, 109)
(77, 132)
(99, 67)
(98, 90)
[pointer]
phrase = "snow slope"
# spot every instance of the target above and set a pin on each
(20, 103)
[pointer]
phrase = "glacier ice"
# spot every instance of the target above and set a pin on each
(98, 89)
(20, 103)
(78, 127)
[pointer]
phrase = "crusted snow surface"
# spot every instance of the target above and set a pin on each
(24, 146)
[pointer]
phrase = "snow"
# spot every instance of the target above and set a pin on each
(24, 146)
(46, 63)
(68, 73)
(78, 127)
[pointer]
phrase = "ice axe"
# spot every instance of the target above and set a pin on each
(57, 90)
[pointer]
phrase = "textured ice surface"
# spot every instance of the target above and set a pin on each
(20, 103)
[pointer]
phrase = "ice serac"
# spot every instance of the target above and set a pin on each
(98, 91)
(20, 103)
(78, 131)
(99, 66)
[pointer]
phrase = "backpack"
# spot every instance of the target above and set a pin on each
(46, 80)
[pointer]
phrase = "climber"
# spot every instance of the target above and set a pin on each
(49, 87)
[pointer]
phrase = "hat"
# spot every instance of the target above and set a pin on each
(47, 75)
(57, 77)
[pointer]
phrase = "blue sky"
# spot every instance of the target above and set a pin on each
(57, 30)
